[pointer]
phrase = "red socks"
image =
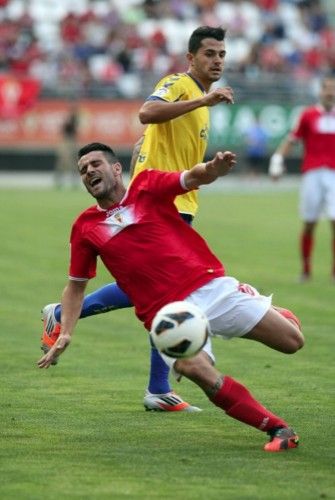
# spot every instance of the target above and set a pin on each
(238, 403)
(306, 248)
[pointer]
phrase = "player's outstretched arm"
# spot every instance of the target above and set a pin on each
(159, 111)
(206, 173)
(72, 300)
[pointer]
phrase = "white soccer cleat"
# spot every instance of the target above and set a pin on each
(167, 402)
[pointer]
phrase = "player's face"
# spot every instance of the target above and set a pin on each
(98, 175)
(207, 63)
(327, 95)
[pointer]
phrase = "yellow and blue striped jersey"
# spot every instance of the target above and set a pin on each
(177, 144)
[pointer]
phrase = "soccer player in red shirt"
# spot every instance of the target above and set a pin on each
(128, 229)
(175, 139)
(316, 130)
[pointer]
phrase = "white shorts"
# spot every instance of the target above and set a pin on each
(317, 195)
(232, 308)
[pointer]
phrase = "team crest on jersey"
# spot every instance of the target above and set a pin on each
(141, 158)
(119, 218)
(204, 133)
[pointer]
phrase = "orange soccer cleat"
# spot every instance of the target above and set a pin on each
(281, 439)
(51, 328)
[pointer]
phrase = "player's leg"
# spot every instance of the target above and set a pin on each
(107, 298)
(306, 250)
(311, 201)
(159, 395)
(279, 329)
(332, 222)
(274, 326)
(239, 310)
(330, 212)
(236, 400)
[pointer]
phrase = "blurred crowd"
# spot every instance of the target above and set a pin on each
(119, 48)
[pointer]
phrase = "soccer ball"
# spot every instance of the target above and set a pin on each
(179, 330)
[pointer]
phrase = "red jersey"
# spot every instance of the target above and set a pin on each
(316, 129)
(155, 256)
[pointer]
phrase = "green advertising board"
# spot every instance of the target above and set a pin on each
(230, 123)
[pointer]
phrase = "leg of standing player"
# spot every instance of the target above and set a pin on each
(333, 248)
(317, 195)
(330, 212)
(306, 250)
(311, 200)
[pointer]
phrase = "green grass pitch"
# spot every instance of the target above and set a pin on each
(79, 431)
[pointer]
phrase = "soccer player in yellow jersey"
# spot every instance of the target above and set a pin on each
(175, 139)
(177, 112)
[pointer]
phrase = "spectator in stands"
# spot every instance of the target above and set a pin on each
(143, 39)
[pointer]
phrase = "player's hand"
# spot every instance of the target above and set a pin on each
(208, 172)
(56, 350)
(221, 164)
(276, 166)
(221, 94)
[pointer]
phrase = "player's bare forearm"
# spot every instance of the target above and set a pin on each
(72, 300)
(286, 146)
(206, 173)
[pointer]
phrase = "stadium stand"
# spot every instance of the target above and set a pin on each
(55, 52)
(106, 49)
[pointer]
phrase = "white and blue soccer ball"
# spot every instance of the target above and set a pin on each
(180, 329)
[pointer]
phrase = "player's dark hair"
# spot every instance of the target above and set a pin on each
(98, 146)
(202, 32)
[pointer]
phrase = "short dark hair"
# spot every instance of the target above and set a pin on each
(98, 146)
(202, 32)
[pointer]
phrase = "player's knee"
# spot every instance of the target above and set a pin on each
(187, 367)
(295, 341)
(193, 368)
(300, 341)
